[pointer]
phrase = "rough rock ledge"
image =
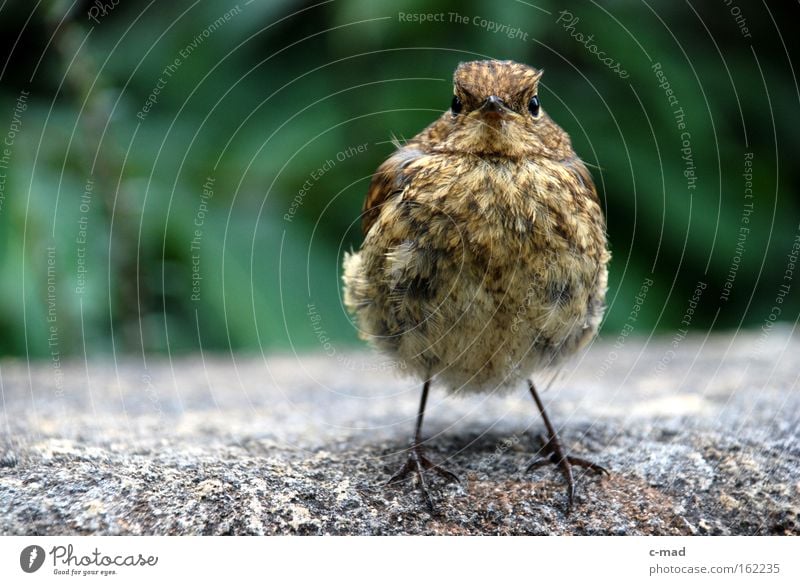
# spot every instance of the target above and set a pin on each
(705, 443)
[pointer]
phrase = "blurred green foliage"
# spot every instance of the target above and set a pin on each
(260, 103)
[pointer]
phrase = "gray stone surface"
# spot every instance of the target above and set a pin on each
(706, 443)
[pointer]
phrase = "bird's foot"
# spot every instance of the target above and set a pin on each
(417, 463)
(554, 454)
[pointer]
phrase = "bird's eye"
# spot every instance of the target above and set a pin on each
(533, 106)
(456, 104)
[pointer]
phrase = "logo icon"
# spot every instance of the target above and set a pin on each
(31, 558)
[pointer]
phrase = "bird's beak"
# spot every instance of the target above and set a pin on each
(493, 108)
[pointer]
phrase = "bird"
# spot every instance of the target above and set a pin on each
(485, 255)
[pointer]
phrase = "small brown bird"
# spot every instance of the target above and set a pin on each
(485, 255)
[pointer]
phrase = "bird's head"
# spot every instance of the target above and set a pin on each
(496, 111)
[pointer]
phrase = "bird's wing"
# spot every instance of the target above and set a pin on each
(390, 180)
(578, 168)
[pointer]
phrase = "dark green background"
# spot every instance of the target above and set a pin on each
(282, 87)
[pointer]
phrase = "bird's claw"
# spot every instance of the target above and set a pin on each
(558, 457)
(417, 463)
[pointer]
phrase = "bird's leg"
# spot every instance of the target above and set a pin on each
(417, 462)
(556, 455)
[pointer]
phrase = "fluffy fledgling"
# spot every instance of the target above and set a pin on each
(485, 254)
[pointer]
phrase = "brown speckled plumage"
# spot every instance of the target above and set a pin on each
(485, 252)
